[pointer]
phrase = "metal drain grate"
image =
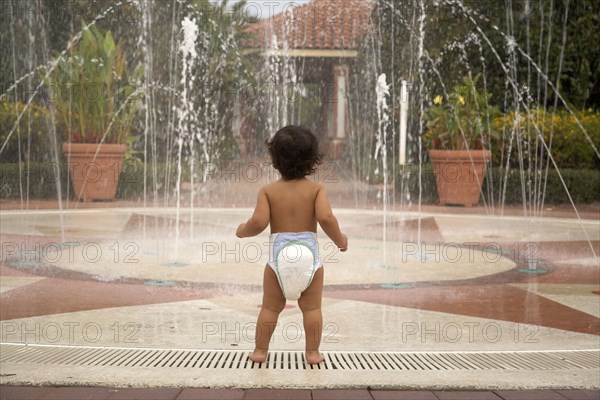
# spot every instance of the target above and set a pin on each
(291, 360)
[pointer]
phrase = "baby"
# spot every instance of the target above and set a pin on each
(292, 206)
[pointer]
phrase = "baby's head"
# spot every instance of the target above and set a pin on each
(294, 152)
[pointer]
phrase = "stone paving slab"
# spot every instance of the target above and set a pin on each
(65, 393)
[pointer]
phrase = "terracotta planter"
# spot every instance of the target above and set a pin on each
(94, 169)
(459, 175)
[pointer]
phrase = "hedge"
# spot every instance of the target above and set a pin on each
(43, 178)
(571, 147)
(583, 185)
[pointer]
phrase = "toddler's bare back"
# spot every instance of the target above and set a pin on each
(292, 205)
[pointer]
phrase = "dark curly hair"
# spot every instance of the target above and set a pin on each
(294, 152)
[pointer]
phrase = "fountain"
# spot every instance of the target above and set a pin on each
(161, 271)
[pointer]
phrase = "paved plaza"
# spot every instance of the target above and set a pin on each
(465, 299)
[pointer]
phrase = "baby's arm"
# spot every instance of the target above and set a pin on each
(328, 221)
(259, 220)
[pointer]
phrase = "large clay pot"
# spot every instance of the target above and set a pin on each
(94, 169)
(459, 175)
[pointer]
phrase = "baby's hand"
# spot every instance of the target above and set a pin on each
(344, 244)
(238, 232)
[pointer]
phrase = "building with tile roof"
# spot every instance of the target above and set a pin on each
(320, 40)
(320, 28)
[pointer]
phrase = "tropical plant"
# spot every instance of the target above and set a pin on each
(91, 89)
(460, 120)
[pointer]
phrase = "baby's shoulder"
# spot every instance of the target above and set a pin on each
(270, 186)
(312, 189)
(272, 189)
(316, 185)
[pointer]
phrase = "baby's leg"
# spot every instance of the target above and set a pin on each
(310, 304)
(272, 305)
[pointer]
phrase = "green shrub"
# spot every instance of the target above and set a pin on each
(31, 132)
(570, 146)
(407, 184)
(583, 185)
(33, 180)
(131, 181)
(38, 180)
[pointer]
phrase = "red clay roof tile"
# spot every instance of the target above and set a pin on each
(320, 24)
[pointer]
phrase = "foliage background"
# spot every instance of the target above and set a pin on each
(535, 44)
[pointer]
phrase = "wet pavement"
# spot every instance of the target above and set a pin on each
(443, 279)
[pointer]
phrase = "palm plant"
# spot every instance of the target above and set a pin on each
(95, 103)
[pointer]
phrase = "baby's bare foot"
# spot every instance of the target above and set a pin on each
(258, 356)
(314, 357)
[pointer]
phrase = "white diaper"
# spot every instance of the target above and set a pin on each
(294, 256)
